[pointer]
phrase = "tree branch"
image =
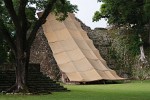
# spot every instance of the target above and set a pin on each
(22, 14)
(40, 22)
(23, 20)
(13, 15)
(62, 1)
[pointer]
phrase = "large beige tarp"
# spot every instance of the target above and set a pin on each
(74, 52)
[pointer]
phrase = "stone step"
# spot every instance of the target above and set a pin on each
(4, 88)
(36, 81)
(48, 89)
(13, 73)
(7, 83)
(42, 84)
(2, 81)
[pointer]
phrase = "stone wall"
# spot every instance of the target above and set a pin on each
(102, 41)
(42, 54)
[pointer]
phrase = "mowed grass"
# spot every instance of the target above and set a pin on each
(136, 90)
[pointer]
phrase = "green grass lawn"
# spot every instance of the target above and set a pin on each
(136, 90)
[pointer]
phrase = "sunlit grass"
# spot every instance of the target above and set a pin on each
(137, 90)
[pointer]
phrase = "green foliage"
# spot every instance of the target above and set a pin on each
(122, 12)
(61, 9)
(140, 72)
(124, 49)
(147, 10)
(6, 55)
(128, 41)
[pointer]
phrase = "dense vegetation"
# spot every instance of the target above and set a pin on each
(122, 12)
(125, 51)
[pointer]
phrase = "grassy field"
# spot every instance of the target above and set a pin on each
(136, 90)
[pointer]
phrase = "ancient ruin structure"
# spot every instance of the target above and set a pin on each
(77, 59)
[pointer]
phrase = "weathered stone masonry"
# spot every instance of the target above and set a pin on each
(42, 54)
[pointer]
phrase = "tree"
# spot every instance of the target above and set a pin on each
(19, 27)
(132, 14)
(122, 12)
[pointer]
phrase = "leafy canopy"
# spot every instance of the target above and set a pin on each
(18, 23)
(121, 12)
(32, 6)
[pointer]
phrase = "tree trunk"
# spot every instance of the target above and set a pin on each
(149, 33)
(149, 38)
(142, 54)
(20, 75)
(22, 61)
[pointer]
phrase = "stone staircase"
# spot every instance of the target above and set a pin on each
(36, 81)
